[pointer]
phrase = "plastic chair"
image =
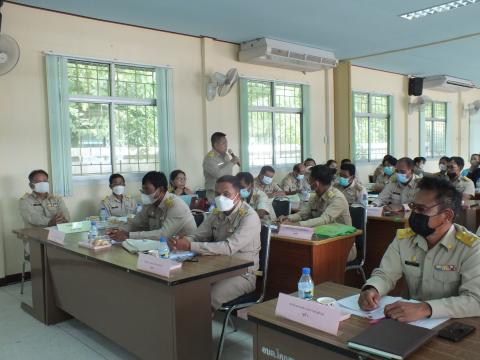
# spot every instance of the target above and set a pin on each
(254, 297)
(281, 206)
(359, 220)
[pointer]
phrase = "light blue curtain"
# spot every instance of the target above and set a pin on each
(306, 134)
(449, 130)
(59, 125)
(244, 140)
(166, 130)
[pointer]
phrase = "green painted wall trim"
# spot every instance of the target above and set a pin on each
(449, 130)
(244, 141)
(391, 125)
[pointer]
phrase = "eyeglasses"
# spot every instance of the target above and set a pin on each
(421, 209)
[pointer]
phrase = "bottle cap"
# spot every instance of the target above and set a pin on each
(306, 271)
(93, 223)
(163, 239)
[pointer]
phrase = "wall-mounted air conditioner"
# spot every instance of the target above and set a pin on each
(286, 55)
(447, 83)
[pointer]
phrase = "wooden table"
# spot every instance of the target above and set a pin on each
(146, 314)
(278, 336)
(325, 257)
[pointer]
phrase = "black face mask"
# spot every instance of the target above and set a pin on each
(452, 175)
(419, 224)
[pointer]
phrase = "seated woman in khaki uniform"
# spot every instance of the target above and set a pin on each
(232, 229)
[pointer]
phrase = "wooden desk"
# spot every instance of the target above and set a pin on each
(326, 258)
(146, 314)
(276, 335)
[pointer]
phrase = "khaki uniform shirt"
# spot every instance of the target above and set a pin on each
(267, 189)
(116, 207)
(331, 207)
(260, 201)
(215, 166)
(382, 180)
(36, 212)
(171, 217)
(442, 175)
(396, 193)
(464, 185)
(446, 276)
(353, 192)
(290, 184)
(236, 234)
(378, 171)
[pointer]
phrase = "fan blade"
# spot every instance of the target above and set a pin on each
(211, 91)
(9, 53)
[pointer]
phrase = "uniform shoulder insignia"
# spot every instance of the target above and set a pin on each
(105, 198)
(405, 233)
(243, 212)
(466, 237)
(464, 178)
(330, 194)
(169, 202)
(215, 211)
(393, 179)
(26, 195)
(211, 154)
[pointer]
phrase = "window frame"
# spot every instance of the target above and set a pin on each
(369, 115)
(423, 133)
(246, 109)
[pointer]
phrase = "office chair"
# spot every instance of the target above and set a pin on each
(359, 220)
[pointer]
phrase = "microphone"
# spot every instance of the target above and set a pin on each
(230, 152)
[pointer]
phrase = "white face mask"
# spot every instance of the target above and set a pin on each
(118, 190)
(442, 167)
(224, 203)
(147, 199)
(41, 187)
(267, 180)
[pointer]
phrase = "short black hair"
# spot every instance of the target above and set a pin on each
(309, 159)
(216, 136)
(345, 161)
(458, 160)
(419, 159)
(175, 173)
(157, 179)
(115, 176)
(231, 180)
(348, 167)
(446, 158)
(322, 173)
(296, 167)
(330, 162)
(446, 194)
(391, 160)
(407, 161)
(266, 168)
(35, 173)
(245, 176)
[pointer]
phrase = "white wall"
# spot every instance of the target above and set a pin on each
(24, 142)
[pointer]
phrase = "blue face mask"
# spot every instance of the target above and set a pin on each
(402, 178)
(300, 177)
(388, 170)
(244, 193)
(343, 181)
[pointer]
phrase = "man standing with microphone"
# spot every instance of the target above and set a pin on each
(217, 163)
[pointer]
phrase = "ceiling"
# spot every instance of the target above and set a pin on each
(353, 29)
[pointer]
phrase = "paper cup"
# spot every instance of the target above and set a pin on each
(327, 301)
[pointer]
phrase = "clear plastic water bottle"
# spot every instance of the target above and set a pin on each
(305, 285)
(139, 209)
(93, 233)
(364, 199)
(164, 251)
(305, 195)
(103, 214)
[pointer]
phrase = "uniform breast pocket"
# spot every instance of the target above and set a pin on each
(449, 281)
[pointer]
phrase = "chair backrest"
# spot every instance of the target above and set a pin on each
(198, 217)
(371, 178)
(359, 220)
(281, 206)
(201, 193)
(265, 235)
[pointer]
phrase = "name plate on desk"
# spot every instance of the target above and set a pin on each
(375, 211)
(298, 232)
(158, 266)
(56, 236)
(310, 313)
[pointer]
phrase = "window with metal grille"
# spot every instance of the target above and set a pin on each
(113, 118)
(371, 126)
(275, 114)
(435, 129)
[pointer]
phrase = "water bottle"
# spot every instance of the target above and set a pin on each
(305, 195)
(305, 285)
(103, 214)
(164, 251)
(93, 233)
(364, 199)
(139, 209)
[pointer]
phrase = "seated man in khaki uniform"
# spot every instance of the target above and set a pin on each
(163, 213)
(461, 183)
(295, 182)
(118, 204)
(387, 173)
(217, 163)
(40, 208)
(264, 182)
(326, 206)
(233, 229)
(439, 260)
(442, 166)
(256, 198)
(349, 185)
(401, 191)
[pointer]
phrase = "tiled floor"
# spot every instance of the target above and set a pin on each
(22, 337)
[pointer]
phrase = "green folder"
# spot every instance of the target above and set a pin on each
(74, 227)
(333, 230)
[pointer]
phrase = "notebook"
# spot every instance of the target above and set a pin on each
(391, 339)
